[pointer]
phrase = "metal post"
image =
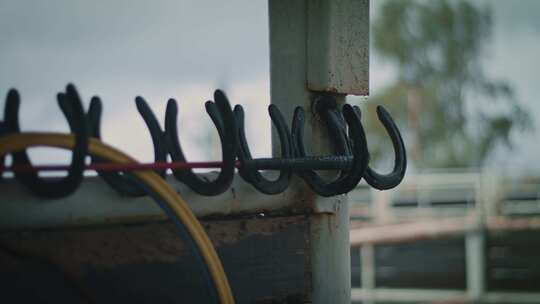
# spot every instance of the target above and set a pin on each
(475, 259)
(367, 262)
(381, 204)
(475, 247)
(490, 197)
(304, 42)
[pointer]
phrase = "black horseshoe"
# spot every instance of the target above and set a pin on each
(121, 183)
(253, 176)
(157, 134)
(71, 105)
(326, 108)
(394, 178)
(348, 179)
(223, 118)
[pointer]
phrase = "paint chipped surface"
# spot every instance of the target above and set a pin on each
(264, 258)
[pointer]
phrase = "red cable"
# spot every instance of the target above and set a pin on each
(109, 167)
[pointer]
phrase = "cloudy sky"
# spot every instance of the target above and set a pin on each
(514, 57)
(121, 49)
(185, 49)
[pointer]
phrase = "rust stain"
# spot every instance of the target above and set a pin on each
(100, 248)
(231, 231)
(110, 246)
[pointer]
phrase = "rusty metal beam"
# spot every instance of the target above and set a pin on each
(95, 202)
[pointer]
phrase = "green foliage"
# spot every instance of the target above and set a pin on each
(452, 114)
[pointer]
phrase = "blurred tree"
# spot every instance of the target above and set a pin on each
(438, 47)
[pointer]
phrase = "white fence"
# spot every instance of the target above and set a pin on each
(441, 205)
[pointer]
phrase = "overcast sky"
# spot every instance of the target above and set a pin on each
(186, 49)
(515, 58)
(120, 49)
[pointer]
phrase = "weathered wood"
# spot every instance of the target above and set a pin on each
(512, 261)
(430, 264)
(426, 229)
(399, 233)
(264, 258)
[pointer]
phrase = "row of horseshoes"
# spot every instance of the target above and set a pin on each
(344, 127)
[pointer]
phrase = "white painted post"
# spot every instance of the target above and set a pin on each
(490, 193)
(320, 45)
(475, 247)
(475, 260)
(367, 265)
(381, 205)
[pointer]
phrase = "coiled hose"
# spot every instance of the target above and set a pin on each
(154, 183)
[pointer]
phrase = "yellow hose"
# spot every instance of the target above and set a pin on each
(17, 142)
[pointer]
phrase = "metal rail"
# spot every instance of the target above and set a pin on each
(484, 216)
